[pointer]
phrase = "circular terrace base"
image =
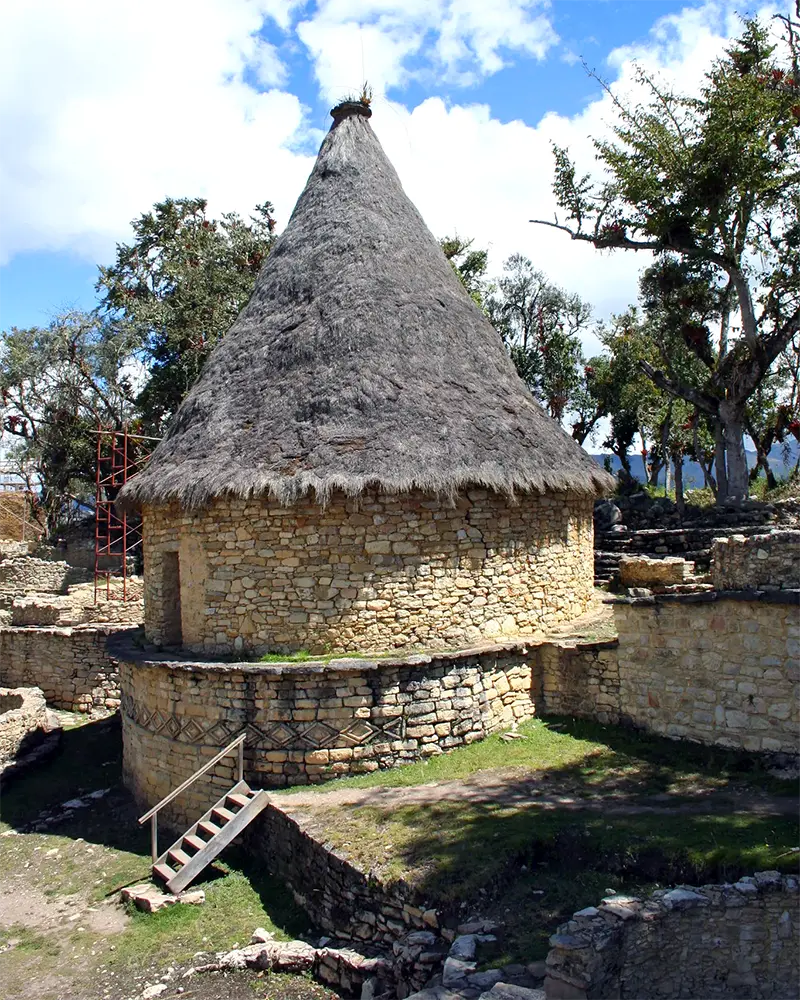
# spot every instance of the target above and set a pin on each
(306, 722)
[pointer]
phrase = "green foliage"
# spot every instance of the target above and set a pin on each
(711, 184)
(57, 383)
(178, 287)
(469, 265)
(540, 325)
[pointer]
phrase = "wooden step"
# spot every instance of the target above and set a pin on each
(196, 843)
(234, 826)
(181, 857)
(237, 799)
(223, 813)
(206, 826)
(164, 872)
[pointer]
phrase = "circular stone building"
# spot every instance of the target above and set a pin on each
(359, 466)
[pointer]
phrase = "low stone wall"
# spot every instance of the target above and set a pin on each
(308, 721)
(736, 941)
(69, 609)
(340, 899)
(28, 574)
(721, 669)
(23, 718)
(71, 665)
(758, 562)
(643, 571)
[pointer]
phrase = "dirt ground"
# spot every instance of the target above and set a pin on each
(69, 841)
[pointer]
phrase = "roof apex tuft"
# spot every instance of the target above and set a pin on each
(346, 109)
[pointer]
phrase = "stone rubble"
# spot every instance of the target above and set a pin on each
(149, 899)
(421, 965)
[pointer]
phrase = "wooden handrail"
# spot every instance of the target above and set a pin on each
(152, 814)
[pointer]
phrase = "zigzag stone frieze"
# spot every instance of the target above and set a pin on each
(280, 735)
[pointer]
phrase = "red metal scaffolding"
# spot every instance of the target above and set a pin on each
(120, 455)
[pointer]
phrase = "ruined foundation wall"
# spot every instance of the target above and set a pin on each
(370, 573)
(70, 665)
(719, 942)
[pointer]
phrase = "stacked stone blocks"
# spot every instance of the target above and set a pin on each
(371, 573)
(716, 941)
(309, 722)
(757, 562)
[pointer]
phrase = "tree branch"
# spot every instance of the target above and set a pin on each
(709, 404)
(623, 242)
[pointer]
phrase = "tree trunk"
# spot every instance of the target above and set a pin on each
(666, 478)
(732, 420)
(678, 460)
(719, 462)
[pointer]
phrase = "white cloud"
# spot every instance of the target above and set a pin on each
(106, 108)
(387, 41)
(469, 172)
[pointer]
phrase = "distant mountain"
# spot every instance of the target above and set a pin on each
(782, 459)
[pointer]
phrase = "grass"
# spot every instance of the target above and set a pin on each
(582, 752)
(236, 897)
(76, 867)
(303, 656)
(512, 858)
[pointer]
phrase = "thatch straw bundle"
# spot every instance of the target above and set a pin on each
(359, 361)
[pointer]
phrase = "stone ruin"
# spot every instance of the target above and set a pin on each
(28, 729)
(39, 589)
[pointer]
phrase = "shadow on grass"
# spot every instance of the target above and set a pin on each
(633, 814)
(659, 758)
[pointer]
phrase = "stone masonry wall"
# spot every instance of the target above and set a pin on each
(374, 572)
(70, 665)
(723, 671)
(758, 562)
(28, 574)
(23, 715)
(308, 722)
(737, 941)
(340, 898)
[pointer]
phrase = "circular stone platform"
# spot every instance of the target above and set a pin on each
(306, 722)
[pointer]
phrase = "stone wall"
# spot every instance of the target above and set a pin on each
(23, 717)
(28, 574)
(307, 722)
(71, 665)
(761, 562)
(370, 573)
(17, 515)
(712, 668)
(736, 941)
(339, 897)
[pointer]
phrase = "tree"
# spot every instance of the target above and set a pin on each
(57, 383)
(617, 386)
(539, 323)
(469, 265)
(711, 186)
(178, 287)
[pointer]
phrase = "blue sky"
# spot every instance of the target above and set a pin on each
(106, 108)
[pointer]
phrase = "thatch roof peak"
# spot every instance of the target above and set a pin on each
(359, 361)
(348, 108)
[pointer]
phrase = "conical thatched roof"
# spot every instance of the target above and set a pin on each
(359, 361)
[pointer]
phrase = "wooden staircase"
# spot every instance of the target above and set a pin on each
(182, 863)
(212, 833)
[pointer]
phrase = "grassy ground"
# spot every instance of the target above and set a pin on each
(545, 825)
(63, 933)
